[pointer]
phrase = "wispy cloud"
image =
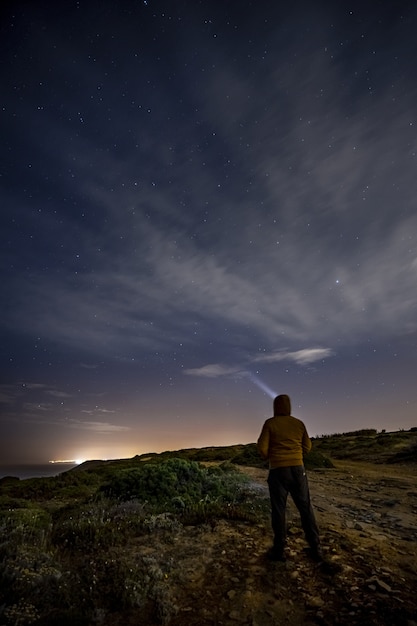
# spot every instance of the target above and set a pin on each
(102, 428)
(276, 296)
(34, 407)
(97, 410)
(279, 243)
(214, 370)
(19, 391)
(27, 386)
(7, 394)
(58, 394)
(302, 357)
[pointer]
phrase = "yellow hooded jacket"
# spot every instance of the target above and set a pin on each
(284, 438)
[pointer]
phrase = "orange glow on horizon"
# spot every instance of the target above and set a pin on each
(152, 445)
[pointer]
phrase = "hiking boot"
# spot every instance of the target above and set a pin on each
(276, 555)
(315, 554)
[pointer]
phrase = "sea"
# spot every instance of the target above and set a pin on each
(35, 471)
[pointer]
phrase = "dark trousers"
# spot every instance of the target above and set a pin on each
(293, 480)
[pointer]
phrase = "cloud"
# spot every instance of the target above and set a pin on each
(10, 394)
(102, 428)
(97, 410)
(38, 406)
(33, 386)
(58, 394)
(268, 233)
(292, 292)
(302, 357)
(214, 370)
(7, 394)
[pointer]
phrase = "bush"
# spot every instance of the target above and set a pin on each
(75, 560)
(407, 455)
(173, 483)
(317, 460)
(249, 456)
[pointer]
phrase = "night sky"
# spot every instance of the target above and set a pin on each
(204, 204)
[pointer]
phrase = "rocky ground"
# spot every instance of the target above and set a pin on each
(219, 575)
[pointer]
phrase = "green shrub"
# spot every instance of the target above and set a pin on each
(316, 460)
(97, 526)
(249, 456)
(64, 486)
(407, 455)
(76, 560)
(213, 454)
(25, 525)
(174, 482)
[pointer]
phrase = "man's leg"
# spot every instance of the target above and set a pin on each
(278, 496)
(301, 495)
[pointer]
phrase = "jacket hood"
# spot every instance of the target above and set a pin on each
(282, 405)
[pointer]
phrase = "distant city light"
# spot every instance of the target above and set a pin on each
(74, 461)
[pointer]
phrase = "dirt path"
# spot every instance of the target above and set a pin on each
(367, 516)
(380, 501)
(368, 519)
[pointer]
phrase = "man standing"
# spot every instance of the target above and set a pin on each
(283, 442)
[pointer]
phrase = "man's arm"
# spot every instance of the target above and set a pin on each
(263, 442)
(306, 443)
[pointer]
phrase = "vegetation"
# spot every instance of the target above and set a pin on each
(64, 539)
(73, 547)
(369, 445)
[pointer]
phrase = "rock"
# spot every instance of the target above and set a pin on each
(315, 602)
(375, 583)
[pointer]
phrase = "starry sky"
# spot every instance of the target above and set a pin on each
(204, 204)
